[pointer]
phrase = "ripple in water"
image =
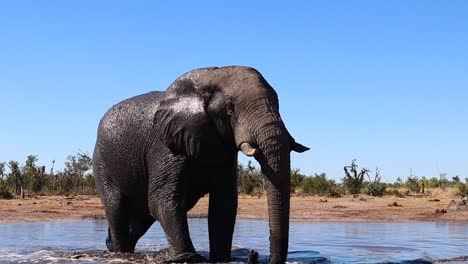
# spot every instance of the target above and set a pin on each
(404, 243)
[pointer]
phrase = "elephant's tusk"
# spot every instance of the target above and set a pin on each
(247, 149)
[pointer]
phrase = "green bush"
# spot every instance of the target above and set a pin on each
(353, 180)
(4, 193)
(412, 184)
(443, 182)
(250, 179)
(394, 192)
(375, 189)
(463, 189)
(297, 179)
(317, 184)
(434, 182)
(334, 192)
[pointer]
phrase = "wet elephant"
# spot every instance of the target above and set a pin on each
(158, 153)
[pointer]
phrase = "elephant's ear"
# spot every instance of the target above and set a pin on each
(297, 147)
(183, 125)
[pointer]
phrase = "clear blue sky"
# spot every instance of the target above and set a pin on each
(385, 82)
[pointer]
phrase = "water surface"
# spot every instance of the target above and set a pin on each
(414, 242)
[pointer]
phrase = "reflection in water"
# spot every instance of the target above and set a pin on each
(83, 242)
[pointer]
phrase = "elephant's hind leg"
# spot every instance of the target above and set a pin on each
(117, 217)
(127, 224)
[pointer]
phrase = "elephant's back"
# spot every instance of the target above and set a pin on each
(130, 118)
(121, 138)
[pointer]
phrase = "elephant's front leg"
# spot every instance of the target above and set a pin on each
(174, 223)
(222, 215)
(166, 205)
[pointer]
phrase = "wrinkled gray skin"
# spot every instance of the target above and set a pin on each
(158, 153)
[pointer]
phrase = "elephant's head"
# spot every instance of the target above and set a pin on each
(223, 110)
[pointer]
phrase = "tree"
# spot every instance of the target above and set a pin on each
(33, 174)
(4, 193)
(424, 183)
(16, 175)
(2, 170)
(73, 175)
(38, 179)
(76, 176)
(399, 182)
(353, 179)
(443, 182)
(53, 178)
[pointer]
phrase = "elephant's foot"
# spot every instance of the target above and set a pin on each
(119, 248)
(167, 256)
(187, 257)
(252, 258)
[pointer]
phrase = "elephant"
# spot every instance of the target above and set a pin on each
(158, 153)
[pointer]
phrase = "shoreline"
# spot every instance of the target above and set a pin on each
(362, 209)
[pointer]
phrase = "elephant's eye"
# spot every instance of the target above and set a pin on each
(230, 109)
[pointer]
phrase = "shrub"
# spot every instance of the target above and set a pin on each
(463, 189)
(317, 184)
(353, 180)
(250, 179)
(412, 184)
(4, 193)
(443, 182)
(394, 192)
(398, 183)
(433, 182)
(376, 189)
(297, 180)
(334, 192)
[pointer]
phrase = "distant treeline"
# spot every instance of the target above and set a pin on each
(76, 178)
(354, 182)
(33, 179)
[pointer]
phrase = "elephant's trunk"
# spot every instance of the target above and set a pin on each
(278, 204)
(274, 158)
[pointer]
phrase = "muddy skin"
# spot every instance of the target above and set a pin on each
(156, 154)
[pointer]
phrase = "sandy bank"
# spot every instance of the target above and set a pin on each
(362, 208)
